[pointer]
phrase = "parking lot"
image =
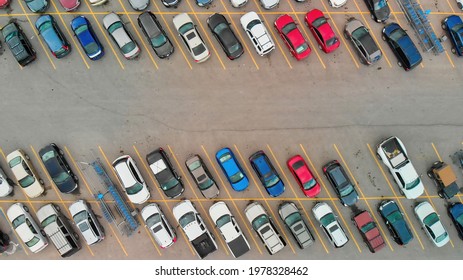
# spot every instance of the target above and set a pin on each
(327, 107)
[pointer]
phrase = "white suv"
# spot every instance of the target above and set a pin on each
(131, 179)
(257, 33)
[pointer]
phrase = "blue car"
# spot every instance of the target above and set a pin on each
(267, 174)
(402, 46)
(203, 3)
(232, 169)
(87, 38)
(456, 213)
(454, 27)
(395, 222)
(53, 36)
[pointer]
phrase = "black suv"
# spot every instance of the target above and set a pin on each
(18, 43)
(155, 35)
(341, 183)
(58, 168)
(165, 174)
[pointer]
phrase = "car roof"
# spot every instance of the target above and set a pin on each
(123, 170)
(149, 24)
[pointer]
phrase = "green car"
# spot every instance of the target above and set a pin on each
(18, 43)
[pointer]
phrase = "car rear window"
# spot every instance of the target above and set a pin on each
(128, 47)
(15, 161)
(33, 241)
(114, 26)
(153, 219)
(319, 21)
(252, 24)
(288, 28)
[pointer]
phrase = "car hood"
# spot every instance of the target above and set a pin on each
(254, 210)
(142, 196)
(287, 210)
(269, 3)
(139, 4)
(277, 190)
(175, 191)
(350, 199)
(165, 49)
(383, 13)
(69, 4)
(403, 231)
(452, 21)
(37, 5)
(5, 188)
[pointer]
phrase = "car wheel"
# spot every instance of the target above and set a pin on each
(75, 178)
(440, 194)
(61, 152)
(346, 36)
(372, 17)
(401, 192)
(42, 232)
(399, 63)
(57, 208)
(429, 174)
(26, 208)
(41, 182)
(443, 26)
(320, 47)
(378, 156)
(383, 37)
(454, 51)
(76, 236)
(460, 5)
(27, 157)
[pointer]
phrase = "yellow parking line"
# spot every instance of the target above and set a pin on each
(446, 53)
(265, 199)
(451, 7)
(320, 180)
(205, 33)
(395, 195)
(361, 193)
(202, 206)
(160, 193)
(36, 34)
(233, 201)
(298, 200)
(16, 234)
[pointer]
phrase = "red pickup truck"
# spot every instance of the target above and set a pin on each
(369, 231)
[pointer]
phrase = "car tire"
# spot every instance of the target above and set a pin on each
(57, 208)
(75, 177)
(383, 37)
(372, 17)
(460, 5)
(27, 156)
(320, 47)
(454, 51)
(41, 182)
(401, 192)
(399, 63)
(443, 26)
(76, 236)
(42, 232)
(61, 152)
(378, 156)
(429, 174)
(26, 208)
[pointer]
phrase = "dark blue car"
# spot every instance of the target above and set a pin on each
(87, 38)
(454, 27)
(232, 169)
(456, 213)
(402, 46)
(267, 174)
(52, 35)
(395, 222)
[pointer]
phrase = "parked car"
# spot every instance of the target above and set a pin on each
(222, 31)
(267, 174)
(6, 185)
(52, 35)
(202, 177)
(26, 227)
(322, 31)
(304, 177)
(330, 224)
(292, 218)
(97, 2)
(453, 25)
(431, 224)
(455, 211)
(444, 178)
(86, 221)
(131, 179)
(121, 36)
(341, 183)
(191, 37)
(229, 228)
(238, 3)
(87, 38)
(269, 4)
(203, 3)
(379, 10)
(18, 43)
(262, 223)
(402, 46)
(139, 5)
(4, 242)
(166, 176)
(158, 225)
(395, 222)
(170, 3)
(69, 5)
(292, 36)
(460, 4)
(58, 168)
(155, 35)
(4, 4)
(337, 3)
(37, 6)
(25, 173)
(257, 33)
(232, 169)
(363, 42)
(369, 231)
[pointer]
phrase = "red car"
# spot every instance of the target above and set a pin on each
(369, 231)
(292, 37)
(303, 176)
(70, 5)
(4, 3)
(322, 31)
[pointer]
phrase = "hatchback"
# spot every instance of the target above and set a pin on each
(304, 177)
(395, 222)
(131, 179)
(25, 173)
(155, 35)
(330, 224)
(402, 46)
(363, 42)
(322, 31)
(341, 183)
(121, 36)
(292, 36)
(267, 174)
(222, 31)
(191, 37)
(158, 225)
(454, 27)
(202, 177)
(232, 169)
(87, 38)
(86, 221)
(292, 218)
(257, 33)
(18, 43)
(53, 36)
(166, 176)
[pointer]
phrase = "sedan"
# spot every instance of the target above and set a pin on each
(393, 217)
(301, 172)
(202, 176)
(170, 3)
(267, 174)
(158, 225)
(402, 46)
(363, 42)
(341, 183)
(69, 5)
(37, 6)
(230, 44)
(131, 179)
(322, 31)
(155, 35)
(86, 222)
(232, 169)
(18, 43)
(330, 224)
(203, 3)
(87, 38)
(269, 4)
(379, 10)
(25, 173)
(292, 36)
(165, 174)
(292, 218)
(53, 36)
(58, 168)
(431, 224)
(337, 3)
(124, 40)
(6, 185)
(26, 228)
(456, 214)
(191, 37)
(238, 3)
(454, 27)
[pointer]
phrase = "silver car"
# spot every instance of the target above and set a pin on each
(121, 36)
(297, 226)
(139, 5)
(86, 222)
(362, 41)
(202, 176)
(158, 225)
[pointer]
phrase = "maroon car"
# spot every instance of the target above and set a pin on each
(369, 231)
(4, 3)
(69, 5)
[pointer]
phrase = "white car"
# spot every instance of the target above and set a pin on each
(97, 2)
(262, 223)
(5, 187)
(26, 228)
(330, 224)
(337, 3)
(460, 4)
(431, 224)
(269, 4)
(229, 228)
(158, 225)
(121, 36)
(191, 37)
(238, 3)
(131, 179)
(86, 222)
(257, 33)
(25, 173)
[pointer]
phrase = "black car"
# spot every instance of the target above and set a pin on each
(230, 44)
(155, 35)
(379, 10)
(402, 45)
(395, 222)
(4, 242)
(341, 183)
(18, 43)
(165, 174)
(170, 3)
(456, 214)
(58, 168)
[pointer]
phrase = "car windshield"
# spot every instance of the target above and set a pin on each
(272, 181)
(81, 216)
(331, 41)
(397, 34)
(186, 219)
(220, 27)
(288, 28)
(18, 221)
(225, 219)
(458, 29)
(81, 29)
(327, 219)
(359, 33)
(169, 184)
(413, 184)
(259, 221)
(441, 237)
(308, 185)
(366, 228)
(347, 190)
(185, 28)
(206, 184)
(114, 27)
(234, 48)
(33, 241)
(235, 178)
(319, 21)
(394, 217)
(431, 219)
(293, 218)
(61, 177)
(159, 40)
(199, 49)
(380, 4)
(48, 155)
(91, 48)
(137, 187)
(302, 48)
(252, 24)
(48, 220)
(460, 219)
(195, 165)
(153, 219)
(14, 162)
(26, 181)
(128, 47)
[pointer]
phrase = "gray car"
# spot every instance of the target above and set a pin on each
(155, 35)
(202, 176)
(121, 36)
(362, 41)
(297, 226)
(139, 5)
